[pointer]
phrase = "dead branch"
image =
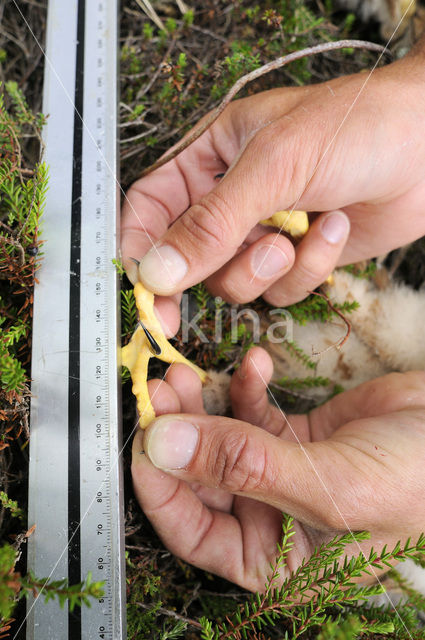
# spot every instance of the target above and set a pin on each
(253, 75)
(171, 614)
(344, 339)
(19, 247)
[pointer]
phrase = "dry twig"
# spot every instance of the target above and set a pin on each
(171, 614)
(344, 339)
(19, 247)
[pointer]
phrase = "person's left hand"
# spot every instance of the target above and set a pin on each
(219, 485)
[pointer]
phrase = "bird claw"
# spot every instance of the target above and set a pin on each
(149, 341)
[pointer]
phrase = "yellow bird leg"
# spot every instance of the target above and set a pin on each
(139, 376)
(407, 8)
(144, 303)
(293, 222)
(137, 353)
(130, 352)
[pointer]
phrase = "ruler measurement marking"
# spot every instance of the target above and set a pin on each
(102, 623)
(74, 505)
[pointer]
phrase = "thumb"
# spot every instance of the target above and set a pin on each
(211, 232)
(218, 452)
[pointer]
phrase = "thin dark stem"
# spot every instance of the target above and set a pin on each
(172, 614)
(338, 344)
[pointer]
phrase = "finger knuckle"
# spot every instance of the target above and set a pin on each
(232, 291)
(268, 146)
(239, 465)
(207, 223)
(276, 297)
(310, 273)
(279, 144)
(295, 287)
(349, 507)
(334, 520)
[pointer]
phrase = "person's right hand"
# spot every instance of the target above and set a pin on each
(345, 146)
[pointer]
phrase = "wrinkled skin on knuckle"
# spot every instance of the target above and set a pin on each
(340, 497)
(303, 280)
(250, 114)
(362, 500)
(343, 513)
(308, 273)
(239, 464)
(270, 147)
(291, 158)
(208, 224)
(343, 519)
(231, 291)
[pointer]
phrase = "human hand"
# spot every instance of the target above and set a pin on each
(353, 463)
(342, 145)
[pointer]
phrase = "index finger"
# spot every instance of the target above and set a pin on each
(146, 216)
(154, 202)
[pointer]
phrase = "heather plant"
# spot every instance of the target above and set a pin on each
(23, 187)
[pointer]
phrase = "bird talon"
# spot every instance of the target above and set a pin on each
(149, 341)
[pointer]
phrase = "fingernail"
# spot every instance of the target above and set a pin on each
(162, 268)
(170, 444)
(335, 227)
(268, 260)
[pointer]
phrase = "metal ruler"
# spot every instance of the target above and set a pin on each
(75, 481)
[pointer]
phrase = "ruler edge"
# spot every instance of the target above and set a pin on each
(119, 565)
(48, 81)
